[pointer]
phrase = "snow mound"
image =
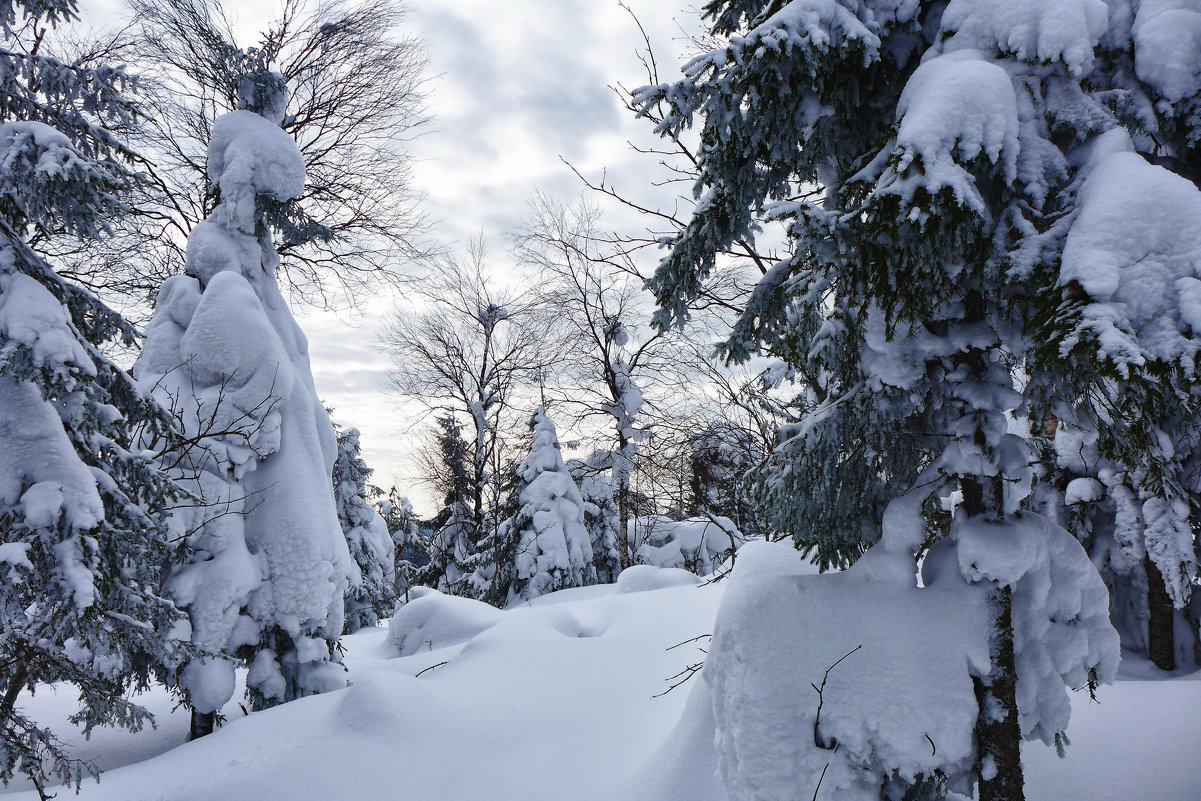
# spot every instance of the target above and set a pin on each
(883, 704)
(643, 578)
(698, 544)
(763, 558)
(436, 620)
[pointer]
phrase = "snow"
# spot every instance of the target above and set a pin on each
(1167, 47)
(776, 635)
(955, 108)
(249, 154)
(697, 544)
(1139, 267)
(523, 710)
(1040, 31)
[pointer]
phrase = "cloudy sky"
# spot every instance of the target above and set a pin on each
(518, 85)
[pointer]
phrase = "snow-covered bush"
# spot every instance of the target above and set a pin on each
(224, 353)
(699, 545)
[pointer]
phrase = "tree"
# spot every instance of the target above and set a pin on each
(407, 542)
(358, 97)
(613, 358)
(544, 546)
(602, 519)
(270, 568)
(921, 158)
(83, 511)
(1122, 335)
(467, 353)
(372, 593)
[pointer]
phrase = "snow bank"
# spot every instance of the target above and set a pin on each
(436, 620)
(525, 712)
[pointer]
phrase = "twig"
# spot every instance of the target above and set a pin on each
(687, 673)
(693, 639)
(431, 667)
(818, 740)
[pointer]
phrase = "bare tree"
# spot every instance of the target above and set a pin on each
(357, 98)
(466, 351)
(616, 367)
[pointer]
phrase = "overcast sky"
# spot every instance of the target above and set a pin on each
(518, 84)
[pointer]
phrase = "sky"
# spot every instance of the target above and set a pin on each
(516, 87)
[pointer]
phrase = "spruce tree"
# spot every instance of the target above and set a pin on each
(83, 521)
(371, 593)
(543, 546)
(923, 159)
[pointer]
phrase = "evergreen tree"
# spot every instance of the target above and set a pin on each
(1122, 335)
(407, 543)
(271, 564)
(83, 531)
(923, 158)
(543, 546)
(594, 477)
(371, 594)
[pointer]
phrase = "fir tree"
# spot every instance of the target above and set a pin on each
(602, 518)
(223, 351)
(82, 510)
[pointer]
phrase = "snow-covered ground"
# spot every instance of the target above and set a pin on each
(562, 699)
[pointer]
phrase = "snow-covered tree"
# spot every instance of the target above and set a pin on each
(594, 477)
(407, 543)
(224, 352)
(371, 594)
(1124, 336)
(83, 531)
(613, 357)
(544, 546)
(923, 159)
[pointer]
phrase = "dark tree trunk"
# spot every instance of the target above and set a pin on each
(202, 723)
(1161, 640)
(998, 731)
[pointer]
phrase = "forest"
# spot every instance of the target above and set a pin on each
(776, 400)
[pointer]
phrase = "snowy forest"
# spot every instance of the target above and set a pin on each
(770, 400)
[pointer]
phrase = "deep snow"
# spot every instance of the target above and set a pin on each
(557, 700)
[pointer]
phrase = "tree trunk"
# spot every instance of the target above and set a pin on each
(1161, 641)
(998, 731)
(202, 723)
(16, 683)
